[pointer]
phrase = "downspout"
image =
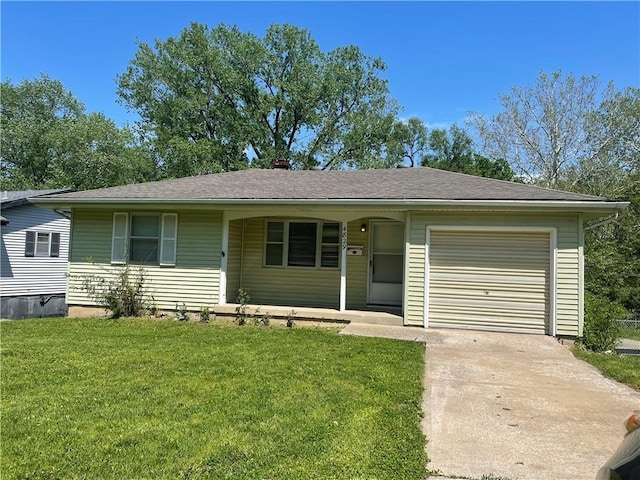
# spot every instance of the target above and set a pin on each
(609, 219)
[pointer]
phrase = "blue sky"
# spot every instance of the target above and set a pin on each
(444, 58)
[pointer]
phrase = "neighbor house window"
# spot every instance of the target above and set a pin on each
(302, 243)
(145, 238)
(42, 244)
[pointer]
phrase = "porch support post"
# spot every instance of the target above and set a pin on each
(224, 253)
(343, 269)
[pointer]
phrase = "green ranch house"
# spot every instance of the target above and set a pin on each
(410, 246)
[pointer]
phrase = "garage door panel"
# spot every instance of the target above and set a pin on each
(505, 279)
(483, 323)
(486, 261)
(481, 300)
(490, 280)
(495, 319)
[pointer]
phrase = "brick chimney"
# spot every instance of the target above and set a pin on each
(281, 165)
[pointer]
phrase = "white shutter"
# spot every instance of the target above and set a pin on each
(168, 239)
(119, 238)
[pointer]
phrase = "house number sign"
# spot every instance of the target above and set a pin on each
(344, 237)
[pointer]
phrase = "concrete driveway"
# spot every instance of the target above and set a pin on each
(513, 406)
(517, 406)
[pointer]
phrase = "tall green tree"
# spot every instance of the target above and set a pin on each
(49, 141)
(219, 99)
(408, 141)
(545, 129)
(453, 150)
(612, 261)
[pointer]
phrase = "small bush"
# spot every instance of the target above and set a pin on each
(181, 312)
(123, 294)
(290, 318)
(258, 319)
(205, 314)
(602, 323)
(242, 299)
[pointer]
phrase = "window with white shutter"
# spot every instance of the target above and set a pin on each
(144, 238)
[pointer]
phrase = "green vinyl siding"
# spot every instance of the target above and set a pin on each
(302, 287)
(194, 279)
(308, 287)
(568, 275)
(357, 265)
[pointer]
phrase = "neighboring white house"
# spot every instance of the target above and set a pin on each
(33, 258)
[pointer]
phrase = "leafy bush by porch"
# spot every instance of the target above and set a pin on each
(161, 399)
(602, 323)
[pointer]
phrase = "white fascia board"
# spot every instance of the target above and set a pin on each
(199, 203)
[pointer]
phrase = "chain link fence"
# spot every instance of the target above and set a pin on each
(630, 323)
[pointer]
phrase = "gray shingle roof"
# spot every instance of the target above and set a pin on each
(391, 184)
(16, 198)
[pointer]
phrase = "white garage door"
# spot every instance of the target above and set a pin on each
(489, 280)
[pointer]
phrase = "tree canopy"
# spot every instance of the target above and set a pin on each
(49, 141)
(453, 151)
(220, 99)
(546, 128)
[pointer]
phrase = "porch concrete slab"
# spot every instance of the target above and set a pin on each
(307, 314)
(413, 334)
(518, 406)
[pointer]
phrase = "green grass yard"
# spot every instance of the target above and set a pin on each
(622, 368)
(101, 399)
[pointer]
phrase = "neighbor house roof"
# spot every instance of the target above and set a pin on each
(10, 199)
(397, 185)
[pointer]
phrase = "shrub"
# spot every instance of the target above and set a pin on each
(602, 323)
(242, 299)
(290, 318)
(123, 294)
(181, 312)
(258, 319)
(241, 315)
(205, 314)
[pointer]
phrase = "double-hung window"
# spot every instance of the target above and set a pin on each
(302, 243)
(42, 244)
(145, 238)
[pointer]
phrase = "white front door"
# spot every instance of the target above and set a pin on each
(386, 263)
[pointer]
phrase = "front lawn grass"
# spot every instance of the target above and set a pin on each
(622, 368)
(136, 399)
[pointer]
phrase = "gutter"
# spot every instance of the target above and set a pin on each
(607, 220)
(62, 203)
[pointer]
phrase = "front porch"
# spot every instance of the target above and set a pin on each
(390, 317)
(327, 266)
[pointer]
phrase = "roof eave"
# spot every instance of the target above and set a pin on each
(604, 205)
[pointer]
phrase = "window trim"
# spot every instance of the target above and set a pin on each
(32, 241)
(131, 237)
(120, 252)
(285, 243)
